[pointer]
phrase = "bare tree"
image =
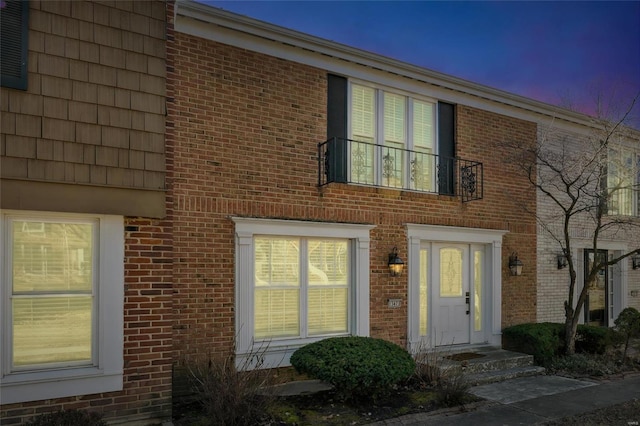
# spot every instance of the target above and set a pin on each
(590, 188)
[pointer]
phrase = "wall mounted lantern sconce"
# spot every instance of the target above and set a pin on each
(562, 261)
(635, 261)
(515, 264)
(396, 265)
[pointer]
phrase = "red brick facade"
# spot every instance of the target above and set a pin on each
(246, 128)
(241, 137)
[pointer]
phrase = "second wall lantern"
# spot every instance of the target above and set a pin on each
(515, 264)
(396, 265)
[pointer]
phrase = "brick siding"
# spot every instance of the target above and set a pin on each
(246, 127)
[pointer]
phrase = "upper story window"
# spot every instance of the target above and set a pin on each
(623, 181)
(394, 138)
(61, 298)
(14, 31)
(382, 137)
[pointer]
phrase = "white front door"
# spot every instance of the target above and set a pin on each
(451, 293)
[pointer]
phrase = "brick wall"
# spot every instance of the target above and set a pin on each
(245, 128)
(94, 109)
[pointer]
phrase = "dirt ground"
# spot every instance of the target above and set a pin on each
(627, 414)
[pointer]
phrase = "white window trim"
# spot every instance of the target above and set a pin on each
(277, 353)
(492, 238)
(107, 375)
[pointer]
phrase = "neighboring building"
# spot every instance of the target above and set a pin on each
(84, 236)
(617, 286)
(281, 239)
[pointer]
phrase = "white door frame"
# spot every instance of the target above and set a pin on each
(492, 294)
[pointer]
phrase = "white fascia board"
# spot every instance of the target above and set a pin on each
(236, 30)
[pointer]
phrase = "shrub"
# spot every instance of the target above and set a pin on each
(233, 396)
(580, 365)
(431, 365)
(593, 340)
(357, 367)
(452, 388)
(542, 340)
(68, 418)
(628, 325)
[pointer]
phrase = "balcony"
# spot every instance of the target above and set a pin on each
(363, 163)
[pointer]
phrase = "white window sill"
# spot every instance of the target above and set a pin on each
(23, 387)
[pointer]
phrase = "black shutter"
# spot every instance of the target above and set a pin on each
(337, 128)
(446, 148)
(14, 30)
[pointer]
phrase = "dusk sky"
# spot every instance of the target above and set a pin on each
(561, 53)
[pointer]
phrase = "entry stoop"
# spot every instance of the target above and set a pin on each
(489, 365)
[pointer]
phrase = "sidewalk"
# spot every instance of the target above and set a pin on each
(531, 401)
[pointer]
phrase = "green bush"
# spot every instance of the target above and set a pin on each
(594, 340)
(627, 325)
(357, 367)
(584, 365)
(67, 418)
(542, 340)
(545, 340)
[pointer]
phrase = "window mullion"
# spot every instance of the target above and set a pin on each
(304, 288)
(379, 137)
(409, 143)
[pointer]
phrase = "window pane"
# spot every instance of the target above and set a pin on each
(362, 159)
(51, 330)
(277, 261)
(424, 282)
(394, 119)
(52, 257)
(620, 176)
(363, 112)
(477, 286)
(328, 285)
(277, 313)
(327, 310)
(394, 140)
(363, 130)
(422, 161)
(423, 126)
(422, 167)
(277, 294)
(328, 262)
(450, 272)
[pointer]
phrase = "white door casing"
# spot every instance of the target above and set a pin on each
(485, 326)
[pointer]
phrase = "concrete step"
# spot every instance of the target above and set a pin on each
(494, 376)
(485, 360)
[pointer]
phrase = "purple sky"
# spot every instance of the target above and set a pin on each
(562, 53)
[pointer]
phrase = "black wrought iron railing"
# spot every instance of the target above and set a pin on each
(366, 163)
